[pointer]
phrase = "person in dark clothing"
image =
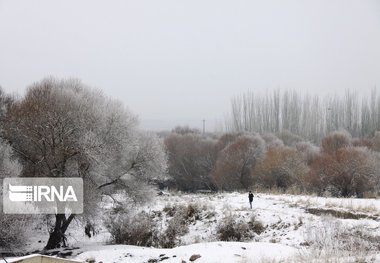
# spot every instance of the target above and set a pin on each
(250, 197)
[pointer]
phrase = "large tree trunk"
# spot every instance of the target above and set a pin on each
(57, 237)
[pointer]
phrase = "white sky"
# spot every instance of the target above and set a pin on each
(177, 62)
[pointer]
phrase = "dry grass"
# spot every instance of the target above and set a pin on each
(331, 241)
(346, 205)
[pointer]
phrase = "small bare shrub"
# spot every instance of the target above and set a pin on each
(169, 210)
(230, 229)
(178, 225)
(255, 225)
(176, 228)
(190, 213)
(138, 229)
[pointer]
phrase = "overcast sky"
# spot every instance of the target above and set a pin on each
(181, 61)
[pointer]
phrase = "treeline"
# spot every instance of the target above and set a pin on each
(311, 117)
(339, 166)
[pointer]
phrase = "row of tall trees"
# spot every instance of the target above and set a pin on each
(311, 117)
(62, 128)
(340, 166)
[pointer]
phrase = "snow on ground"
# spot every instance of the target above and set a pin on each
(214, 252)
(289, 229)
(297, 229)
(358, 205)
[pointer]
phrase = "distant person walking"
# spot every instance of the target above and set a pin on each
(250, 197)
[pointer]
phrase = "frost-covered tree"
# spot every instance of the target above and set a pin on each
(271, 141)
(375, 142)
(14, 229)
(236, 161)
(311, 117)
(61, 128)
(191, 160)
(350, 171)
(144, 162)
(308, 150)
(5, 102)
(288, 138)
(335, 140)
(9, 165)
(281, 168)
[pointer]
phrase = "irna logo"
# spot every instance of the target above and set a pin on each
(42, 195)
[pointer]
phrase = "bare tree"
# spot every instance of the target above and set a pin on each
(311, 117)
(349, 172)
(336, 140)
(309, 151)
(191, 160)
(271, 141)
(9, 165)
(236, 162)
(281, 168)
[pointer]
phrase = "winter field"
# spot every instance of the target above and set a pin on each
(279, 228)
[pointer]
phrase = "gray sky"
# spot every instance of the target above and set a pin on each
(181, 61)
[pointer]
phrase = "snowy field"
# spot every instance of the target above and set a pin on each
(295, 229)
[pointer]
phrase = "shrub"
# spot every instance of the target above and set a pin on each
(182, 216)
(191, 158)
(170, 237)
(138, 229)
(178, 225)
(192, 212)
(255, 225)
(350, 171)
(188, 214)
(335, 141)
(170, 210)
(281, 168)
(230, 229)
(236, 162)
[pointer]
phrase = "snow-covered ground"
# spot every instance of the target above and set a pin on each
(297, 229)
(213, 252)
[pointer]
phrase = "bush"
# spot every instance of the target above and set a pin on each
(255, 225)
(170, 237)
(230, 229)
(178, 225)
(188, 214)
(138, 229)
(170, 210)
(192, 212)
(350, 171)
(191, 159)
